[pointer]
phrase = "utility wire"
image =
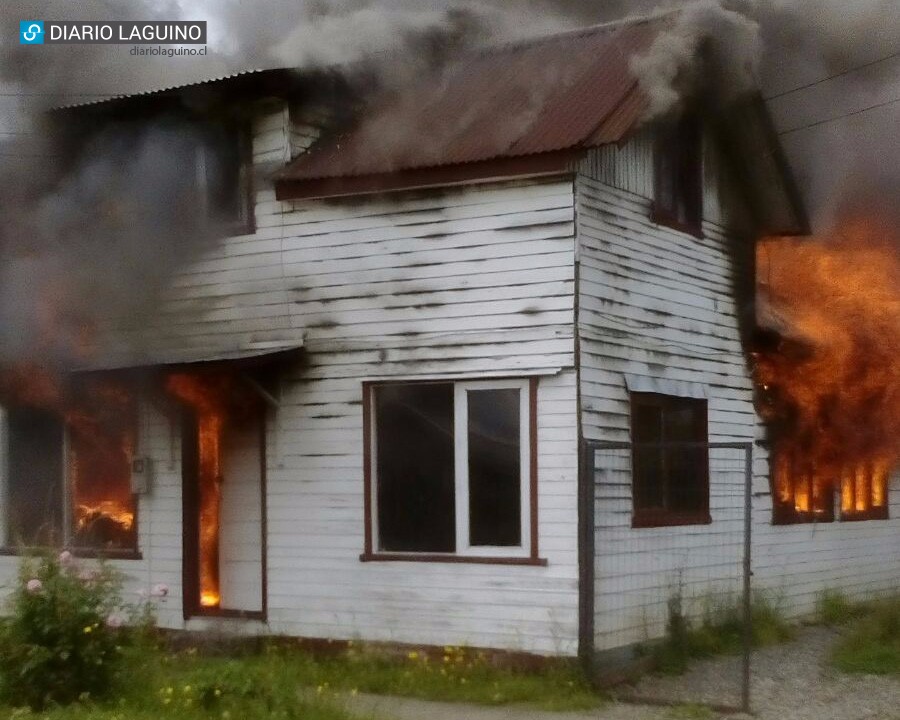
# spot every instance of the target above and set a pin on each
(839, 117)
(836, 75)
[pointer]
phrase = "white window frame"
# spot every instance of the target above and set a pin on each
(461, 457)
(464, 548)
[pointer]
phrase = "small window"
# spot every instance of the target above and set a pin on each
(223, 175)
(669, 460)
(451, 468)
(678, 175)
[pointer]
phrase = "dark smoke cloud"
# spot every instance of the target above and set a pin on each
(66, 237)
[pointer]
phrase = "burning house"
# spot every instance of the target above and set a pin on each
(356, 410)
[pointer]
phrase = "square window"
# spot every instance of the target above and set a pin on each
(670, 460)
(450, 468)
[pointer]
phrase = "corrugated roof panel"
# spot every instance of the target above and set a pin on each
(554, 93)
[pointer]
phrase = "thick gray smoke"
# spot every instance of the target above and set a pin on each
(72, 244)
(108, 230)
(839, 132)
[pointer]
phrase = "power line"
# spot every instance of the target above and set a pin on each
(839, 117)
(836, 75)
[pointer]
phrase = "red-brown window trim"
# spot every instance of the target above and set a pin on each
(661, 517)
(83, 553)
(370, 555)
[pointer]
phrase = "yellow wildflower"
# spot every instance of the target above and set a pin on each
(88, 629)
(413, 656)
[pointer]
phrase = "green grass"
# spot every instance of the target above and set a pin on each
(719, 632)
(833, 608)
(691, 711)
(286, 682)
(871, 642)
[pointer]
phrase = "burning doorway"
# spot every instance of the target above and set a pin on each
(223, 476)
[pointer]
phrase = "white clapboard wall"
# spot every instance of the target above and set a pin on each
(463, 283)
(658, 303)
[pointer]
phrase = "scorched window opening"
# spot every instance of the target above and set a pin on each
(670, 460)
(678, 174)
(68, 472)
(803, 493)
(223, 165)
(451, 468)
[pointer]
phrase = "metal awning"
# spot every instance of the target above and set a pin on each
(198, 359)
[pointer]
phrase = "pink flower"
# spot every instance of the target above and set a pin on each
(34, 586)
(114, 620)
(87, 575)
(160, 590)
(66, 558)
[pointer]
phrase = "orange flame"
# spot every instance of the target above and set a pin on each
(102, 424)
(204, 397)
(830, 387)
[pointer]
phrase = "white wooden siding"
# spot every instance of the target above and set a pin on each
(658, 303)
(467, 283)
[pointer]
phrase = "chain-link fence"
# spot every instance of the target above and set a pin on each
(670, 568)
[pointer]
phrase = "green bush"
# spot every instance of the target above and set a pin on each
(63, 639)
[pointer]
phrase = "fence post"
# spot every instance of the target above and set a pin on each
(748, 572)
(586, 557)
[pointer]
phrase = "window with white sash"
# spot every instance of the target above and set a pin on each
(450, 468)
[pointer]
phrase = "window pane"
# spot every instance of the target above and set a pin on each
(415, 472)
(102, 439)
(35, 513)
(223, 174)
(495, 515)
(648, 478)
(681, 422)
(646, 423)
(686, 478)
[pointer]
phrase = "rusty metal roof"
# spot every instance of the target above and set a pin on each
(559, 92)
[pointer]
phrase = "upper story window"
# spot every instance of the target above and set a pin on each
(670, 464)
(224, 177)
(678, 174)
(450, 468)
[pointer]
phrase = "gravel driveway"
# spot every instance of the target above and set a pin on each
(790, 682)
